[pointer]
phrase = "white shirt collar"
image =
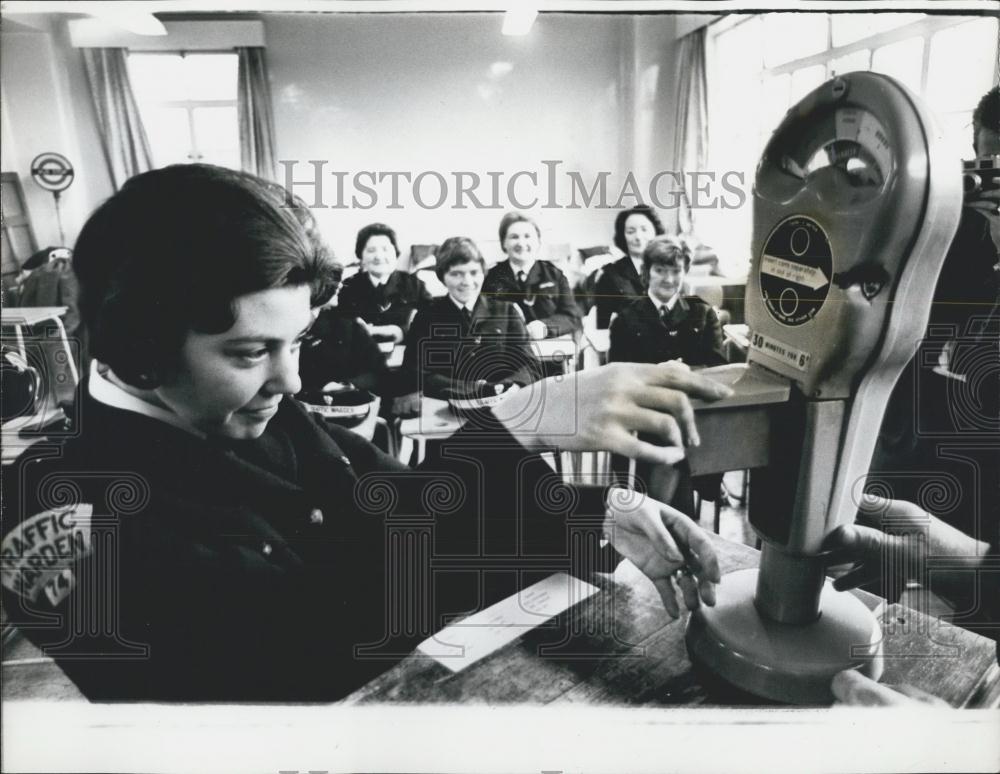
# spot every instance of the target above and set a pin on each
(103, 390)
(526, 270)
(637, 262)
(659, 304)
(376, 282)
(461, 306)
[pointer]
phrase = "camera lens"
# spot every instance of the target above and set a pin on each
(971, 183)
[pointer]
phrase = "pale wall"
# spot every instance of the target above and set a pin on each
(47, 107)
(415, 92)
(407, 93)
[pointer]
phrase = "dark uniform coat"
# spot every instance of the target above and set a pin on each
(691, 332)
(444, 354)
(391, 303)
(215, 570)
(545, 295)
(339, 349)
(618, 285)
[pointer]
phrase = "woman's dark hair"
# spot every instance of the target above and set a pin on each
(622, 216)
(172, 250)
(665, 251)
(986, 115)
(455, 251)
(374, 229)
(510, 219)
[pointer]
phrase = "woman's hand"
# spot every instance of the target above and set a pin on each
(667, 546)
(389, 332)
(602, 409)
(406, 405)
(537, 329)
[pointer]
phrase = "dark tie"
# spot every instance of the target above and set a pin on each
(665, 314)
(521, 278)
(466, 317)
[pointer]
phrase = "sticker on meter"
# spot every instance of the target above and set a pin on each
(784, 353)
(795, 270)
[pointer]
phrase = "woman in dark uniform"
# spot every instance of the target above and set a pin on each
(465, 339)
(620, 282)
(204, 538)
(380, 295)
(540, 290)
(664, 326)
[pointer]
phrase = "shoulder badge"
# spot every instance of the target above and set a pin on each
(38, 555)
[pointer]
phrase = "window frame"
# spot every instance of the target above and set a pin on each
(925, 28)
(194, 154)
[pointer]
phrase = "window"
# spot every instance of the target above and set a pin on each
(188, 106)
(761, 65)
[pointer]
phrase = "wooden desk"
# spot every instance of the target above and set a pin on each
(619, 647)
(561, 349)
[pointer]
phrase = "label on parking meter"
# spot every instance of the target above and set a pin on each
(795, 270)
(785, 353)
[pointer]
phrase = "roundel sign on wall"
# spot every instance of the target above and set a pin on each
(52, 171)
(795, 270)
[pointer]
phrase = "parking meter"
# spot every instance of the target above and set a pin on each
(856, 200)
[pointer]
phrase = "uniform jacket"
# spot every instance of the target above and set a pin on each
(546, 295)
(618, 285)
(443, 354)
(255, 570)
(692, 332)
(388, 304)
(339, 349)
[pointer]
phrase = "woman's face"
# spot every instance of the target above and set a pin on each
(665, 280)
(230, 384)
(521, 243)
(638, 231)
(379, 256)
(464, 281)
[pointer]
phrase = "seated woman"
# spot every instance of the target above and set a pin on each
(620, 283)
(465, 340)
(540, 290)
(381, 296)
(667, 326)
(203, 538)
(664, 325)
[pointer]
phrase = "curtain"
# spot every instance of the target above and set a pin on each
(123, 139)
(253, 103)
(691, 135)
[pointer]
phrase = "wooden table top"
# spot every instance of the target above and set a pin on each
(641, 658)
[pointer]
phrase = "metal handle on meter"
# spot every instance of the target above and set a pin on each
(855, 204)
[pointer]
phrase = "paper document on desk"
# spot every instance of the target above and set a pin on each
(467, 641)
